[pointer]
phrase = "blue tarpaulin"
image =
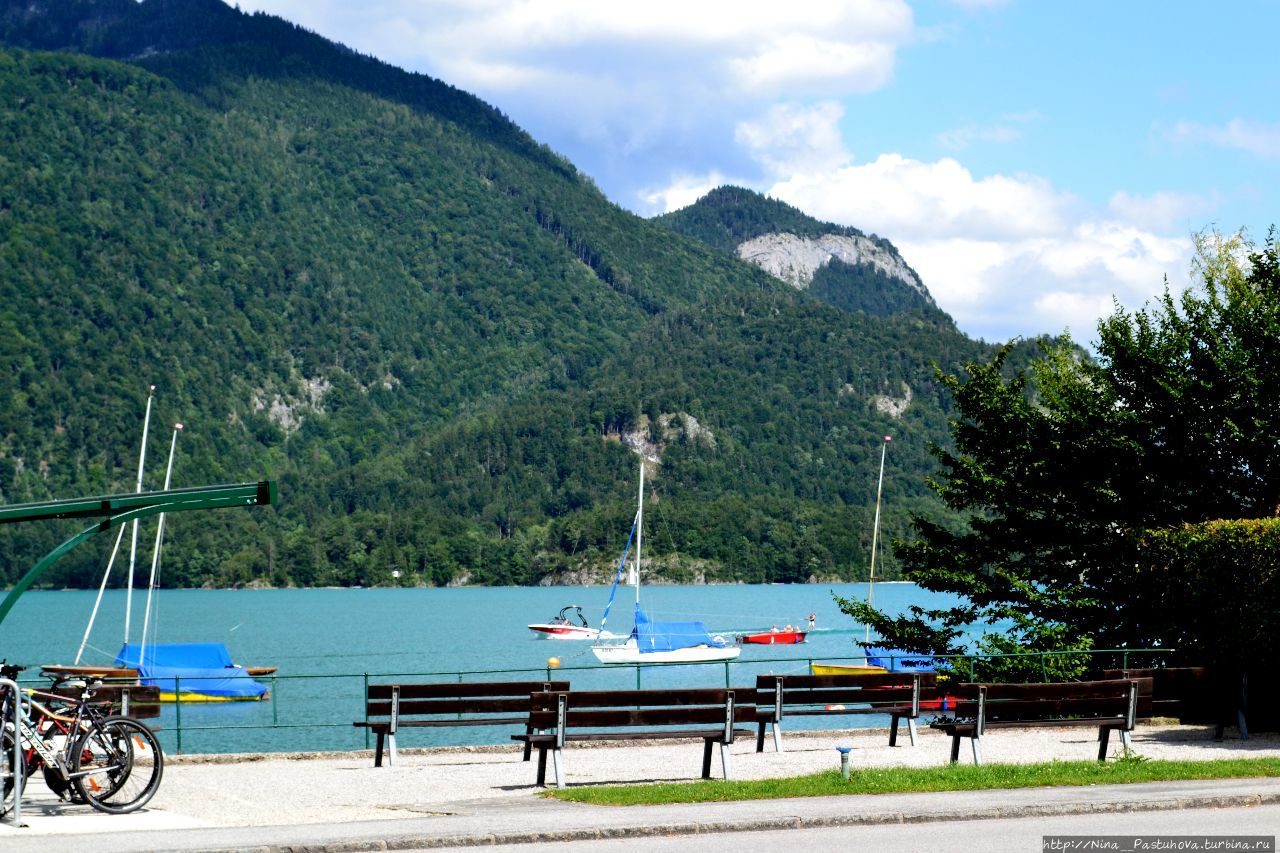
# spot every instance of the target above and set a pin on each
(203, 668)
(896, 660)
(653, 636)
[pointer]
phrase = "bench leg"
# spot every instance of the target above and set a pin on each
(1104, 735)
(557, 758)
(706, 758)
(893, 730)
(955, 748)
(528, 745)
(542, 766)
(977, 750)
(377, 751)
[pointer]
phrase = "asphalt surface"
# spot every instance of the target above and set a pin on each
(485, 796)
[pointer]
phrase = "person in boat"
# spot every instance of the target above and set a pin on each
(774, 629)
(788, 629)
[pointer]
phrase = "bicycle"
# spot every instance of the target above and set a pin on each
(112, 762)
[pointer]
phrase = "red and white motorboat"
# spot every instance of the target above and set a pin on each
(775, 637)
(564, 628)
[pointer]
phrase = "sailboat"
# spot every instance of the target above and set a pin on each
(879, 658)
(652, 641)
(184, 672)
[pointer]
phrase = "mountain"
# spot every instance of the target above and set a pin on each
(437, 335)
(839, 265)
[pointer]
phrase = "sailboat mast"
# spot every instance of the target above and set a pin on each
(875, 530)
(639, 530)
(133, 545)
(155, 552)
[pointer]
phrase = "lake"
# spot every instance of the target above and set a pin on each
(328, 642)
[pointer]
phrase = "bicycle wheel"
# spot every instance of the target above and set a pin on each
(116, 765)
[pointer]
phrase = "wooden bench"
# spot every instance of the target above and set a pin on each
(391, 707)
(1108, 705)
(898, 694)
(561, 717)
(1195, 695)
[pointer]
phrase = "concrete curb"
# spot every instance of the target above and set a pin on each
(397, 841)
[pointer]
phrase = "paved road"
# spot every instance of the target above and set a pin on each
(1021, 835)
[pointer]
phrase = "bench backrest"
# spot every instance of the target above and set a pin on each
(560, 711)
(1111, 699)
(454, 698)
(888, 690)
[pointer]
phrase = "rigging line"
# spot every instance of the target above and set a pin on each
(98, 601)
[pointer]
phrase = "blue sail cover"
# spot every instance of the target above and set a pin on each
(896, 660)
(203, 668)
(653, 636)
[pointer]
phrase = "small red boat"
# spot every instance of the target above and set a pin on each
(774, 637)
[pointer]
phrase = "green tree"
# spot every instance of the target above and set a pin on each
(1059, 471)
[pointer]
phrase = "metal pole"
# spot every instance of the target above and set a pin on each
(16, 759)
(133, 545)
(177, 709)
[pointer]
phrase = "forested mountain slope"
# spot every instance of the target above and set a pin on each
(438, 337)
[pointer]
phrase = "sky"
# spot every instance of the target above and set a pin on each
(1035, 162)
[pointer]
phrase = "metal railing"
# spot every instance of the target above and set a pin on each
(325, 703)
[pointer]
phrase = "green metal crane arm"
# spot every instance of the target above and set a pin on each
(120, 509)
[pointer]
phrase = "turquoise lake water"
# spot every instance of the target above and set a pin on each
(327, 642)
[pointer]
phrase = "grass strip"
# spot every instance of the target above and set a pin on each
(899, 780)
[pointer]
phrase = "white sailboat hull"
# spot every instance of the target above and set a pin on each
(629, 653)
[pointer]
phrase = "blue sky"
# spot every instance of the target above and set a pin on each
(1031, 160)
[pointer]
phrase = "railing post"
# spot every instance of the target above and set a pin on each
(177, 710)
(275, 709)
(1044, 670)
(365, 701)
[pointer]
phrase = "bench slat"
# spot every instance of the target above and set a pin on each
(452, 690)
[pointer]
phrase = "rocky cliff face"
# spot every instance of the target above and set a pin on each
(795, 259)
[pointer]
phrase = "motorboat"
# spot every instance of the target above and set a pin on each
(563, 627)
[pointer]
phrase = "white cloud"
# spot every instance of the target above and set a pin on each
(1004, 255)
(790, 139)
(683, 191)
(1259, 138)
(1162, 210)
(904, 198)
(640, 92)
(1003, 130)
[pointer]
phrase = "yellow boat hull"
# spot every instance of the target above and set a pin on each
(200, 697)
(845, 669)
